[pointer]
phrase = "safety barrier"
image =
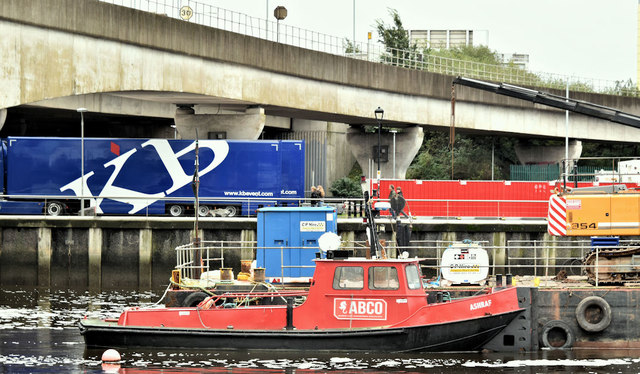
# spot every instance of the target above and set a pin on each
(518, 258)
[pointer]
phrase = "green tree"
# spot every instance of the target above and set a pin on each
(350, 47)
(607, 151)
(624, 88)
(345, 187)
(481, 54)
(399, 50)
(471, 157)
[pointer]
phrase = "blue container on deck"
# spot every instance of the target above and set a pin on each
(288, 239)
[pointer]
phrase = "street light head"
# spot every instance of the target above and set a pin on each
(280, 13)
(81, 110)
(379, 112)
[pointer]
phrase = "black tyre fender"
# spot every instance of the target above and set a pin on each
(557, 335)
(593, 314)
(194, 299)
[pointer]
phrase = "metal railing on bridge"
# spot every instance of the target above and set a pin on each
(215, 206)
(52, 205)
(212, 16)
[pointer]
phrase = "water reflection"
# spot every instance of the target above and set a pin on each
(38, 334)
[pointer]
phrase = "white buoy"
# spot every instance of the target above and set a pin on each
(111, 355)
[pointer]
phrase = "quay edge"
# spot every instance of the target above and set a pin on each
(113, 252)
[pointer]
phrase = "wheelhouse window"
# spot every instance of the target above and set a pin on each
(348, 278)
(413, 277)
(383, 278)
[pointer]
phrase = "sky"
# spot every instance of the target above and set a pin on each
(581, 38)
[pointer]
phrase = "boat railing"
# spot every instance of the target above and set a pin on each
(525, 258)
(195, 260)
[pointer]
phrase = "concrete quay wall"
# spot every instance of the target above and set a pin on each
(139, 252)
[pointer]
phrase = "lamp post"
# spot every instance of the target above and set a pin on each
(280, 13)
(266, 22)
(354, 27)
(394, 151)
(379, 112)
(82, 111)
(566, 139)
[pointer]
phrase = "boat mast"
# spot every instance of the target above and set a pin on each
(371, 229)
(197, 260)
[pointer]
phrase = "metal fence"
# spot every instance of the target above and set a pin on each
(345, 207)
(212, 16)
(551, 172)
(520, 258)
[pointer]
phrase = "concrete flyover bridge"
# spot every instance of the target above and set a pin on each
(112, 59)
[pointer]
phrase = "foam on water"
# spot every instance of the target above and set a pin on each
(38, 333)
(548, 363)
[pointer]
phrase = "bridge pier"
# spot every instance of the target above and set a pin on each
(220, 126)
(532, 154)
(407, 145)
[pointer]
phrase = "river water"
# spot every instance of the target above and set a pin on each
(38, 335)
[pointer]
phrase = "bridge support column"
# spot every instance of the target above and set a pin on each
(407, 145)
(534, 154)
(225, 126)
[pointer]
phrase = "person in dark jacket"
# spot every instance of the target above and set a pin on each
(315, 194)
(320, 195)
(401, 202)
(393, 201)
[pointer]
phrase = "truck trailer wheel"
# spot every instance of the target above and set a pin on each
(176, 210)
(593, 314)
(232, 209)
(203, 210)
(54, 208)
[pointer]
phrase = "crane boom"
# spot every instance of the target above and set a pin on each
(556, 101)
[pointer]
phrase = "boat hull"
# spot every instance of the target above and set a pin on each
(467, 335)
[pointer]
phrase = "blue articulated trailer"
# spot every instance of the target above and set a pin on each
(148, 176)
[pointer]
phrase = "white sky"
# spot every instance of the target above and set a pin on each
(582, 38)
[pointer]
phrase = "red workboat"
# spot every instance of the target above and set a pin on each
(353, 304)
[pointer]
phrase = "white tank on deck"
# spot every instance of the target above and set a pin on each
(465, 262)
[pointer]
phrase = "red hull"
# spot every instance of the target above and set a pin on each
(354, 299)
(402, 310)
